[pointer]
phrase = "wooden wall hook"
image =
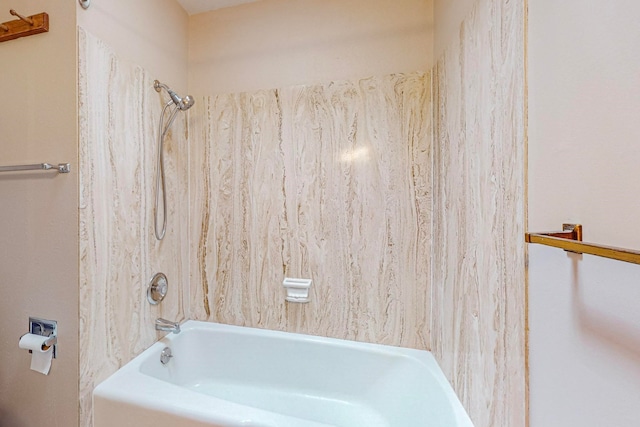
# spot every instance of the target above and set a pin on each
(24, 26)
(24, 18)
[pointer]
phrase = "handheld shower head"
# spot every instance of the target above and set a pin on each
(186, 103)
(182, 103)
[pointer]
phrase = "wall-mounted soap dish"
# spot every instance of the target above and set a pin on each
(297, 289)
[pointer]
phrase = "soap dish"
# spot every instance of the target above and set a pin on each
(297, 289)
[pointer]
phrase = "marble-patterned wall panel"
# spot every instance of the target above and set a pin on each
(118, 112)
(329, 182)
(478, 329)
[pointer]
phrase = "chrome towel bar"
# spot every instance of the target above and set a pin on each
(61, 167)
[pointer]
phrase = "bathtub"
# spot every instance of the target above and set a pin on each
(229, 376)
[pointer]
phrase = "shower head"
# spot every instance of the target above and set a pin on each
(186, 103)
(182, 103)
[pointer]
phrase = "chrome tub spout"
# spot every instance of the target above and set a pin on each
(167, 326)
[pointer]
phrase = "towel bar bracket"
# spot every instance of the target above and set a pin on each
(569, 231)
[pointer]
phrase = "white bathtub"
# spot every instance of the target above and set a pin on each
(230, 376)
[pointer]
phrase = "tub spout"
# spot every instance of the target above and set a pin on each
(167, 325)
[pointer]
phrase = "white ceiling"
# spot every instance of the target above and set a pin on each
(198, 6)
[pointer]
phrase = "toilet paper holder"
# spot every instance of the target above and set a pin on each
(45, 328)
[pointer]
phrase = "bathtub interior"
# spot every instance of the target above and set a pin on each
(229, 376)
(332, 382)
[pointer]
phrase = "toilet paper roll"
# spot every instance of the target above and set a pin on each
(40, 359)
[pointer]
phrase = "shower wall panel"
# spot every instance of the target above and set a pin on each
(329, 182)
(119, 112)
(478, 283)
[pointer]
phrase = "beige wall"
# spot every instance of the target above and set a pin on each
(478, 259)
(39, 216)
(329, 182)
(119, 253)
(150, 33)
(584, 101)
(281, 203)
(447, 17)
(277, 43)
(123, 47)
